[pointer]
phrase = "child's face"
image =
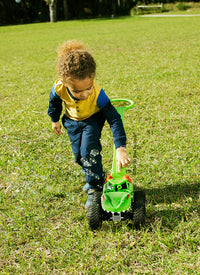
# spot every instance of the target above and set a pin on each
(81, 88)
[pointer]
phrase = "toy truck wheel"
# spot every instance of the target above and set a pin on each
(95, 212)
(139, 209)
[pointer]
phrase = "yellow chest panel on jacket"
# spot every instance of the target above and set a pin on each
(78, 109)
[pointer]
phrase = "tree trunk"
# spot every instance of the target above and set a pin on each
(65, 7)
(53, 10)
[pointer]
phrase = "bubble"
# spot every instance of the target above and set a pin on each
(88, 172)
(94, 152)
(83, 171)
(86, 163)
(93, 161)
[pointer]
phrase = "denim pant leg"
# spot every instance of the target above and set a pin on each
(74, 130)
(91, 150)
(85, 142)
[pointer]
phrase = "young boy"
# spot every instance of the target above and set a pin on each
(86, 109)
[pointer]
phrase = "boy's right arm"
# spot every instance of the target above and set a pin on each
(55, 110)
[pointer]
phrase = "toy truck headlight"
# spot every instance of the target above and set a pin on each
(103, 197)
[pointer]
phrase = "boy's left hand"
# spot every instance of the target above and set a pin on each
(122, 158)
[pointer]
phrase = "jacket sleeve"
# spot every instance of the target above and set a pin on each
(116, 124)
(55, 105)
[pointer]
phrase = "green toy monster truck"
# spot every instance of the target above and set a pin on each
(118, 201)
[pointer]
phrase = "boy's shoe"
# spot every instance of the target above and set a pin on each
(87, 187)
(90, 199)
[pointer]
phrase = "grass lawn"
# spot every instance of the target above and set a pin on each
(43, 225)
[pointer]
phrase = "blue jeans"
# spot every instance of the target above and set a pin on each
(85, 142)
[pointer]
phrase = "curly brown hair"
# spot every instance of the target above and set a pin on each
(74, 62)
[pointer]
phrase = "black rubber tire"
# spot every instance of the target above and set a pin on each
(139, 209)
(95, 212)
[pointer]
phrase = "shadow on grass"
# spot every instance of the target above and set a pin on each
(172, 204)
(173, 193)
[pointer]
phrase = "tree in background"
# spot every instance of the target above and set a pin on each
(52, 10)
(24, 11)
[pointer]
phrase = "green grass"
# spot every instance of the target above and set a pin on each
(43, 225)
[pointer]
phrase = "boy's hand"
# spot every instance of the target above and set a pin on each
(122, 158)
(56, 126)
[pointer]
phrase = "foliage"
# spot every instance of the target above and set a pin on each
(170, 8)
(183, 6)
(24, 12)
(31, 11)
(28, 11)
(43, 225)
